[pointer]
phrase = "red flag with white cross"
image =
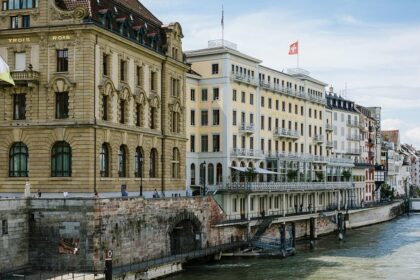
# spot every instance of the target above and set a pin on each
(294, 48)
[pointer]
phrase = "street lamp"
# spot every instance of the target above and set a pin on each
(141, 175)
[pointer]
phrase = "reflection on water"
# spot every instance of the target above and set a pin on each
(385, 251)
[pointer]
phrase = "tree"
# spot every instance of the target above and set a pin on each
(387, 192)
(319, 175)
(250, 174)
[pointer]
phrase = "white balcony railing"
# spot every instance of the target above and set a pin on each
(244, 78)
(237, 152)
(286, 133)
(282, 186)
(318, 138)
(247, 127)
(329, 127)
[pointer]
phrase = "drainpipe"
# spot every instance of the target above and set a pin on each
(94, 117)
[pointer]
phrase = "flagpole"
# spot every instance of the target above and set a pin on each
(223, 26)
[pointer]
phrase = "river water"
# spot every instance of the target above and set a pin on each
(384, 251)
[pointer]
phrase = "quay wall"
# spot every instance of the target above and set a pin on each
(14, 232)
(75, 234)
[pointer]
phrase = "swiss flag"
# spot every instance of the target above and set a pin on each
(294, 48)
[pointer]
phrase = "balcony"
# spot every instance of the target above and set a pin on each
(292, 92)
(286, 133)
(354, 138)
(363, 164)
(353, 151)
(352, 123)
(341, 161)
(246, 153)
(243, 78)
(329, 144)
(24, 78)
(282, 186)
(329, 127)
(319, 139)
(248, 128)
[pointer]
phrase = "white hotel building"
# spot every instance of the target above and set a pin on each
(243, 116)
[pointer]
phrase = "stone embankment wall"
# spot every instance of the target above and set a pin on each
(356, 218)
(13, 234)
(74, 234)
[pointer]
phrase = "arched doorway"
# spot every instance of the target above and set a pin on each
(185, 234)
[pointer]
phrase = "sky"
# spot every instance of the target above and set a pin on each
(368, 50)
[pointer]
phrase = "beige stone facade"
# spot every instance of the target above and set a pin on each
(139, 75)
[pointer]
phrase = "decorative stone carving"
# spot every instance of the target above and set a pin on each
(77, 14)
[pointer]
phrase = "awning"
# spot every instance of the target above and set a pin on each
(256, 170)
(264, 171)
(240, 169)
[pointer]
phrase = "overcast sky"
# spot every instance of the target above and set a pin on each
(372, 46)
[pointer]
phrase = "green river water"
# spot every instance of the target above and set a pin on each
(384, 251)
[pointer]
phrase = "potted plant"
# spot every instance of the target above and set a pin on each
(346, 175)
(292, 175)
(319, 175)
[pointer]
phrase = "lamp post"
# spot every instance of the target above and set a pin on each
(141, 175)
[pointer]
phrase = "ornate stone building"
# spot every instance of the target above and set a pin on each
(99, 98)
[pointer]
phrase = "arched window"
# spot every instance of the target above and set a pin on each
(61, 160)
(139, 114)
(202, 174)
(242, 174)
(175, 164)
(122, 111)
(219, 173)
(18, 160)
(153, 172)
(211, 174)
(122, 161)
(138, 163)
(104, 160)
(192, 173)
(176, 122)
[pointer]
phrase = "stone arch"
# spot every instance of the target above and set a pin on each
(107, 90)
(175, 117)
(184, 233)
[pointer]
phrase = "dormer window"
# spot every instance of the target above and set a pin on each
(19, 5)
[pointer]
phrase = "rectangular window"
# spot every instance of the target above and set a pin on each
(204, 94)
(234, 141)
(234, 95)
(262, 101)
(251, 99)
(215, 69)
(62, 60)
(269, 123)
(262, 122)
(105, 59)
(243, 100)
(104, 107)
(4, 227)
(26, 21)
(215, 93)
(216, 143)
(4, 6)
(277, 105)
(14, 22)
(123, 65)
(290, 107)
(61, 105)
(269, 103)
(192, 94)
(262, 144)
(153, 80)
(283, 106)
(243, 142)
(20, 61)
(192, 118)
(234, 118)
(192, 143)
(19, 106)
(251, 143)
(204, 117)
(204, 143)
(216, 117)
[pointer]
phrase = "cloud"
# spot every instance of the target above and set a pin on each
(379, 62)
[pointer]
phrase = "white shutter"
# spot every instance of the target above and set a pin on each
(20, 61)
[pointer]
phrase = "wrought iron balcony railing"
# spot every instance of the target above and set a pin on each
(286, 133)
